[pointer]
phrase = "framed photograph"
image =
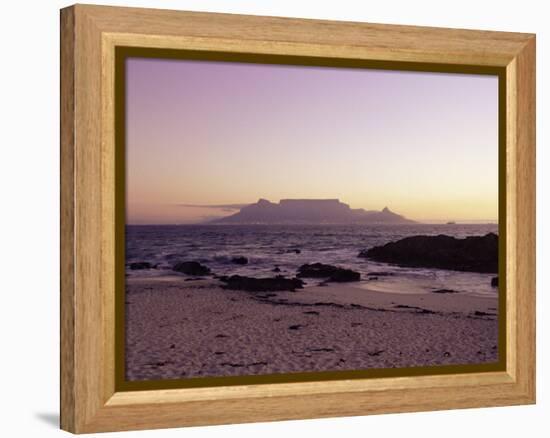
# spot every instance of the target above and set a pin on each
(271, 218)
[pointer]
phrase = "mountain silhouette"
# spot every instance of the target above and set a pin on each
(310, 211)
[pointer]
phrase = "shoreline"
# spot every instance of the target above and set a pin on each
(194, 328)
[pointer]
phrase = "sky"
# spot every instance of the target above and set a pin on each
(205, 137)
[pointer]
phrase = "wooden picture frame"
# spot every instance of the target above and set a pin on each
(91, 401)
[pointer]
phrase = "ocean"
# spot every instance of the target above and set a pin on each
(290, 246)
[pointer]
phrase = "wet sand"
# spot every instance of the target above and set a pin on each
(178, 329)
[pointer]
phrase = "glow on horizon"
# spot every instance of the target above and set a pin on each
(214, 133)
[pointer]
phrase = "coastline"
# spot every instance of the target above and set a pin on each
(177, 329)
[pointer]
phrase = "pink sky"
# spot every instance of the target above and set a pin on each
(215, 133)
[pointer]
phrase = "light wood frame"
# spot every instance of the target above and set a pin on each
(89, 35)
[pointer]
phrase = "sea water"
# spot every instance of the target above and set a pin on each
(287, 247)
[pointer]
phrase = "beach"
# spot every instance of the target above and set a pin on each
(178, 327)
(348, 230)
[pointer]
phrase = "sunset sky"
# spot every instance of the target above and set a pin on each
(219, 134)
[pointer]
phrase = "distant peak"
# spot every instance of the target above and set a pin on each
(309, 211)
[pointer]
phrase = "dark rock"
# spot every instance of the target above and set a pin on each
(379, 274)
(278, 283)
(232, 365)
(295, 327)
(268, 295)
(276, 269)
(241, 365)
(345, 275)
(415, 308)
(404, 306)
(472, 254)
(240, 260)
(444, 291)
(479, 313)
(191, 268)
(331, 273)
(140, 265)
(294, 250)
(494, 281)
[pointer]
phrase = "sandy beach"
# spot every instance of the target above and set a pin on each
(178, 328)
(342, 229)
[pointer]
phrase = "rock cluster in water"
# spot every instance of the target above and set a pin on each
(328, 272)
(192, 268)
(268, 284)
(471, 254)
(239, 260)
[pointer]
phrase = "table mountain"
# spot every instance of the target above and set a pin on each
(310, 211)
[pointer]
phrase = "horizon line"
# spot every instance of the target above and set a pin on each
(418, 222)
